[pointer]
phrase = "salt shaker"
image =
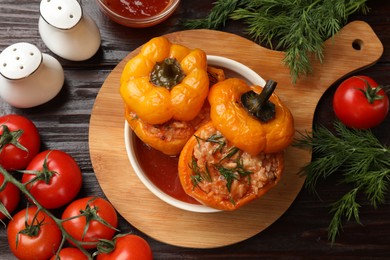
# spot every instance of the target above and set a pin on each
(67, 31)
(28, 77)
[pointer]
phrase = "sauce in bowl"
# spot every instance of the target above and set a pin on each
(161, 169)
(137, 9)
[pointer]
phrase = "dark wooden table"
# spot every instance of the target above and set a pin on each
(301, 233)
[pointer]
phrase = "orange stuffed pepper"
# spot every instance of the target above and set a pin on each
(170, 137)
(165, 81)
(252, 126)
(238, 156)
(219, 175)
(165, 89)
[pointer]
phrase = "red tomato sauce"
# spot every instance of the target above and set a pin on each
(138, 8)
(161, 169)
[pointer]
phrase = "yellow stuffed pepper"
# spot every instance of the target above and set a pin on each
(218, 174)
(170, 137)
(238, 156)
(252, 121)
(165, 81)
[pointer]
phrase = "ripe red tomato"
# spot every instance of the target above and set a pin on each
(351, 103)
(63, 185)
(70, 253)
(129, 247)
(20, 142)
(9, 197)
(42, 244)
(92, 207)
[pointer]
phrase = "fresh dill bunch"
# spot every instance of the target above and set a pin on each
(362, 161)
(299, 27)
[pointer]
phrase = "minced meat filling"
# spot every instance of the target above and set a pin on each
(221, 170)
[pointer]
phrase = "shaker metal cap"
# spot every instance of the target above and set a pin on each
(19, 60)
(62, 14)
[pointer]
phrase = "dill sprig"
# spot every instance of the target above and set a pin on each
(230, 153)
(360, 158)
(215, 138)
(199, 175)
(231, 174)
(298, 26)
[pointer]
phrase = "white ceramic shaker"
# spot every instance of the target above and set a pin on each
(67, 31)
(28, 77)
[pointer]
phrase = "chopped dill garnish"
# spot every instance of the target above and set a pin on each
(231, 174)
(215, 138)
(199, 175)
(230, 153)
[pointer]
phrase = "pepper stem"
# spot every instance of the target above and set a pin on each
(167, 73)
(259, 105)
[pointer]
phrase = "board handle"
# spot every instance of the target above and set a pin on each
(354, 47)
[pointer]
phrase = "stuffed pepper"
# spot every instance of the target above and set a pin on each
(165, 81)
(253, 118)
(238, 156)
(169, 137)
(165, 90)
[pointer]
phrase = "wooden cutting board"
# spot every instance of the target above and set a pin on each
(356, 46)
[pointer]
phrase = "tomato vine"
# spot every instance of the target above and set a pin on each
(8, 178)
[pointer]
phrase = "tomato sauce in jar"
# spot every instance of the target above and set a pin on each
(162, 170)
(138, 8)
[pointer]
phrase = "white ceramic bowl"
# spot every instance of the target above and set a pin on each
(232, 69)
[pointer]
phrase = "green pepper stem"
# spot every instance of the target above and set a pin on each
(167, 73)
(259, 105)
(266, 93)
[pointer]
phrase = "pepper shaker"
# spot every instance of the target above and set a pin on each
(28, 77)
(67, 31)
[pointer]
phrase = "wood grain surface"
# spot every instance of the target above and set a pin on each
(356, 46)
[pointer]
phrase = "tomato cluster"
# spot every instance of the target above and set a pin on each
(52, 179)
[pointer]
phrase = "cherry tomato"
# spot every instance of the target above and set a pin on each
(9, 197)
(93, 208)
(70, 253)
(129, 247)
(359, 103)
(45, 237)
(20, 142)
(63, 184)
